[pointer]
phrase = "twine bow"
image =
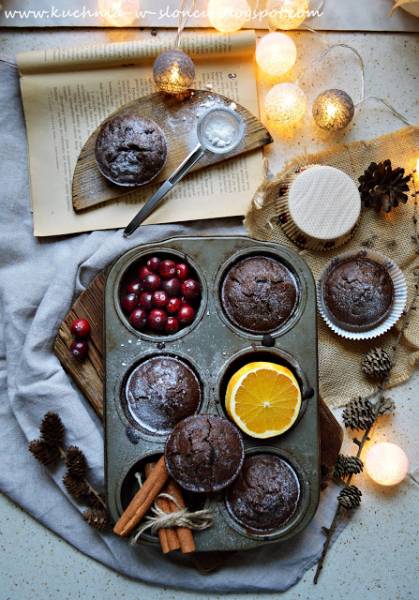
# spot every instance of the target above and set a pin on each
(197, 520)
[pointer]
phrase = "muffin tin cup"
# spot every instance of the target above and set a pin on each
(210, 345)
(399, 300)
(303, 501)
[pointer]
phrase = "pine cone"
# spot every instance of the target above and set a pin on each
(347, 465)
(91, 500)
(46, 454)
(350, 497)
(359, 414)
(376, 363)
(98, 519)
(382, 187)
(76, 461)
(384, 406)
(52, 429)
(75, 487)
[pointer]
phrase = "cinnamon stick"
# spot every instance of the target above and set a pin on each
(169, 540)
(185, 535)
(143, 499)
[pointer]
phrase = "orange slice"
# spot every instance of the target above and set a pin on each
(263, 399)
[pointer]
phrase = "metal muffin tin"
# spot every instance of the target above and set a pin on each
(214, 348)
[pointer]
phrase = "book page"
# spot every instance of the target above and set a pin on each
(67, 93)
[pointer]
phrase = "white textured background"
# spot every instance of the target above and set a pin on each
(377, 556)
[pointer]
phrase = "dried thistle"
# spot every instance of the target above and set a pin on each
(98, 519)
(347, 465)
(52, 429)
(358, 414)
(76, 487)
(76, 461)
(350, 497)
(44, 453)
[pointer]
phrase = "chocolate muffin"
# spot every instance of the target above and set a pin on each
(130, 150)
(204, 453)
(160, 392)
(358, 293)
(266, 493)
(259, 294)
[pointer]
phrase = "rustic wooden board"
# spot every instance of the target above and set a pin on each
(178, 120)
(89, 375)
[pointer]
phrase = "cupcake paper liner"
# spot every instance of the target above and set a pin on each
(291, 229)
(399, 300)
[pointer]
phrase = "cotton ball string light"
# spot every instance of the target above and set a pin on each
(333, 110)
(386, 463)
(228, 15)
(285, 104)
(276, 54)
(287, 14)
(173, 72)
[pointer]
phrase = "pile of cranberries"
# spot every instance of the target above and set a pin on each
(161, 296)
(80, 328)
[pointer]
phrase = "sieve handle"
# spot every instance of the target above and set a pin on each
(196, 154)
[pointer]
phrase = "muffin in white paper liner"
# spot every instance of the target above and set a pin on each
(399, 295)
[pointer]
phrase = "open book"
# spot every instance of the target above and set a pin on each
(68, 92)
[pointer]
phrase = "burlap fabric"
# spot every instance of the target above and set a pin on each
(341, 377)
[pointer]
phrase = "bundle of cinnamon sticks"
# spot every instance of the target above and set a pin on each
(157, 481)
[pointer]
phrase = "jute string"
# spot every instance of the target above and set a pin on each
(197, 520)
(340, 374)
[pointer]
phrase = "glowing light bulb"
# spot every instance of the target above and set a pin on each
(287, 14)
(333, 110)
(276, 53)
(285, 104)
(118, 13)
(386, 464)
(228, 15)
(173, 72)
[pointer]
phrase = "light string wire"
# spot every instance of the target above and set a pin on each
(363, 99)
(184, 15)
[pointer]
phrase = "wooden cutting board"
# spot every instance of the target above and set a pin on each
(89, 375)
(178, 119)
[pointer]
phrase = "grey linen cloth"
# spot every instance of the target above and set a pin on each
(39, 280)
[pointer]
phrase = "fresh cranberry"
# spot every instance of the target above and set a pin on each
(152, 282)
(157, 319)
(186, 314)
(182, 270)
(129, 302)
(160, 298)
(80, 328)
(191, 288)
(143, 271)
(172, 325)
(173, 305)
(167, 268)
(172, 286)
(134, 287)
(146, 300)
(79, 349)
(138, 318)
(153, 264)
